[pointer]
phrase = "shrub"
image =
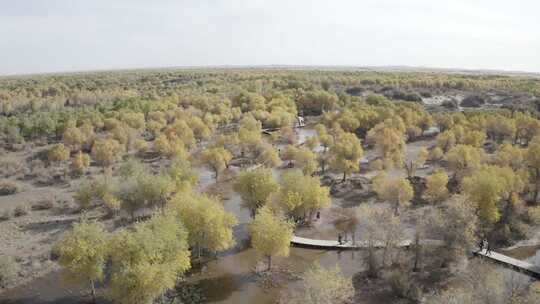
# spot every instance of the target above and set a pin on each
(533, 213)
(142, 146)
(112, 203)
(436, 154)
(80, 163)
(20, 210)
(8, 269)
(106, 151)
(58, 153)
(84, 196)
(8, 187)
(45, 204)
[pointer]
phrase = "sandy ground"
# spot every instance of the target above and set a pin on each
(30, 237)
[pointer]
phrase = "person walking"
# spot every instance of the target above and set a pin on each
(480, 246)
(488, 248)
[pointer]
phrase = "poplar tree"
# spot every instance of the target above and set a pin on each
(83, 254)
(436, 187)
(255, 187)
(345, 154)
(210, 227)
(271, 234)
(301, 196)
(148, 261)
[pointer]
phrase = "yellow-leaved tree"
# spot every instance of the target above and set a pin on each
(209, 226)
(345, 154)
(148, 261)
(397, 191)
(436, 187)
(301, 196)
(326, 140)
(493, 189)
(74, 138)
(171, 147)
(303, 159)
(80, 163)
(509, 155)
(270, 234)
(464, 159)
(106, 151)
(255, 187)
(58, 153)
(216, 158)
(389, 140)
(446, 140)
(267, 156)
(83, 254)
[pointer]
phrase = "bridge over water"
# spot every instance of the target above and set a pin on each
(519, 265)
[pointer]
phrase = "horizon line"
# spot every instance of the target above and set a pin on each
(375, 68)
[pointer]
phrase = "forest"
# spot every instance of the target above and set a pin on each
(188, 186)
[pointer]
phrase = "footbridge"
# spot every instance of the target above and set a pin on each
(519, 265)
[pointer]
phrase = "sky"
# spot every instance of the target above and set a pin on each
(40, 36)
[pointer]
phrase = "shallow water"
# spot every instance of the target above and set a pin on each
(230, 279)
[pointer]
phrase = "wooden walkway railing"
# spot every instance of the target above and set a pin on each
(522, 266)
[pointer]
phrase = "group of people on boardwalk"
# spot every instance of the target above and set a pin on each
(484, 244)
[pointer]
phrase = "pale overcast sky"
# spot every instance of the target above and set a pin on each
(62, 35)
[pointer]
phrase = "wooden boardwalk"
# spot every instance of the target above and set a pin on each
(519, 265)
(268, 131)
(348, 245)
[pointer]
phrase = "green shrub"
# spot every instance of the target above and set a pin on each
(84, 196)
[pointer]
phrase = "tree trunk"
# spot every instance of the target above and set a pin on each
(93, 289)
(269, 258)
(537, 188)
(416, 253)
(409, 168)
(344, 177)
(385, 252)
(372, 271)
